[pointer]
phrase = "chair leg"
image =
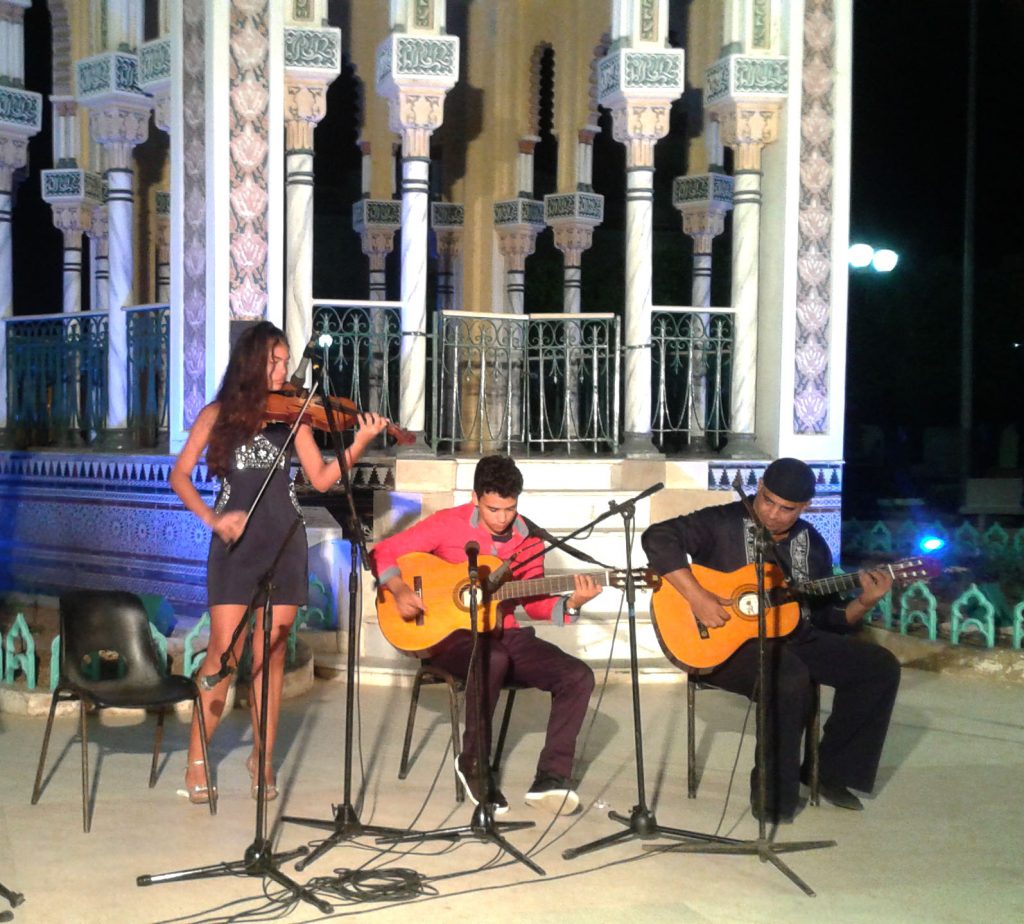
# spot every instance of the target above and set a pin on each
(453, 712)
(211, 790)
(814, 733)
(510, 700)
(158, 739)
(691, 740)
(84, 731)
(46, 743)
(403, 767)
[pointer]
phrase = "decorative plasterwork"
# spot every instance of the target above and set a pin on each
(155, 65)
(433, 60)
(707, 189)
(378, 213)
(312, 52)
(575, 207)
(250, 156)
(519, 212)
(193, 232)
(110, 77)
(68, 186)
(815, 258)
(21, 112)
(746, 78)
(447, 215)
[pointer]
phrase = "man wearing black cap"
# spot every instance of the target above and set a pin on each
(865, 676)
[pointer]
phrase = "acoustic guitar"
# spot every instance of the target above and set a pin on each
(691, 645)
(443, 587)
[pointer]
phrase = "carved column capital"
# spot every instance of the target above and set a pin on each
(99, 225)
(747, 128)
(119, 129)
(72, 218)
(573, 238)
(515, 244)
(13, 156)
(305, 105)
(377, 241)
(449, 242)
(639, 124)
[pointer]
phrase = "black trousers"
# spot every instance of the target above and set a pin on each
(865, 677)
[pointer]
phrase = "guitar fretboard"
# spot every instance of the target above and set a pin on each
(838, 584)
(545, 586)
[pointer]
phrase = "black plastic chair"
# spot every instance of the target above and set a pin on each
(427, 674)
(811, 735)
(108, 658)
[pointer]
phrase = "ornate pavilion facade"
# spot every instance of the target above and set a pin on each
(183, 182)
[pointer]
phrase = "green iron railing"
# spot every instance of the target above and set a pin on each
(56, 377)
(149, 347)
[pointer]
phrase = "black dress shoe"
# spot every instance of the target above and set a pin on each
(839, 796)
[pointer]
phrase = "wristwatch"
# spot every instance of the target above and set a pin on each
(572, 612)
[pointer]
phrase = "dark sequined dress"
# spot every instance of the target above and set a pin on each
(232, 576)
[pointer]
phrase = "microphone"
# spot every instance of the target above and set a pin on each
(472, 549)
(647, 492)
(209, 681)
(316, 343)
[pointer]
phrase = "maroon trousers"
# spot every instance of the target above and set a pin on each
(517, 657)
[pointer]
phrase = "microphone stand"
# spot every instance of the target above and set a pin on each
(482, 826)
(764, 848)
(345, 825)
(641, 821)
(259, 859)
(15, 898)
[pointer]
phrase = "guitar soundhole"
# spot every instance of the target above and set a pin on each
(746, 603)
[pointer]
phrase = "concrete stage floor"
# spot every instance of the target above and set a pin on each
(940, 841)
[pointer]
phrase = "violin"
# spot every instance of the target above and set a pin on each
(284, 407)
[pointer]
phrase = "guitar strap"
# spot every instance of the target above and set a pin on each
(541, 533)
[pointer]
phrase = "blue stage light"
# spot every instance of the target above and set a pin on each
(930, 543)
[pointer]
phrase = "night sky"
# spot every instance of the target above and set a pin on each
(908, 192)
(909, 122)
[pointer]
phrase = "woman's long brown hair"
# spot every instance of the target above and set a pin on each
(242, 395)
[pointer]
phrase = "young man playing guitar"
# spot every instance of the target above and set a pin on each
(514, 654)
(865, 676)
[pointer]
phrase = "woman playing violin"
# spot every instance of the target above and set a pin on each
(241, 448)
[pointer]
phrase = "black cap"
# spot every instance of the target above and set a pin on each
(790, 479)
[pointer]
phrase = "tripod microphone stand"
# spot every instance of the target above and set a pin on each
(15, 898)
(345, 825)
(641, 821)
(259, 859)
(482, 826)
(763, 847)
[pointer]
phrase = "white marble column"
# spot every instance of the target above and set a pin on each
(746, 129)
(306, 107)
(119, 129)
(99, 253)
(13, 155)
(447, 219)
(415, 73)
(639, 87)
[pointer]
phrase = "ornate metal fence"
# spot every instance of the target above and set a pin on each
(57, 377)
(692, 371)
(478, 363)
(573, 380)
(365, 351)
(507, 381)
(149, 348)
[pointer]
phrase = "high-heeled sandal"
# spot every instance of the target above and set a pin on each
(270, 792)
(199, 794)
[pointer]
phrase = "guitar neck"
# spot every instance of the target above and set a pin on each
(546, 586)
(837, 584)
